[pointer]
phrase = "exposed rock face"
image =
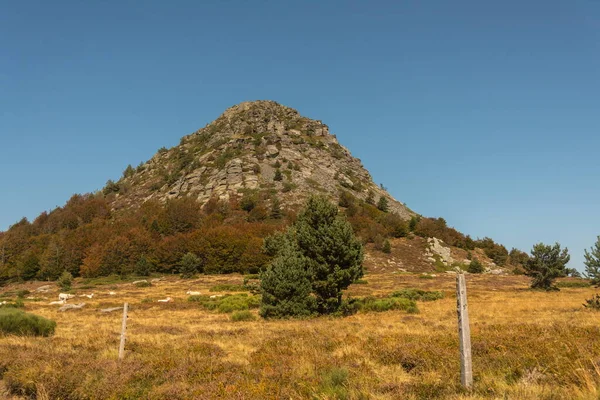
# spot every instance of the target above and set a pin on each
(248, 148)
(435, 248)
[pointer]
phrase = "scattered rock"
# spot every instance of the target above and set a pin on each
(71, 307)
(272, 151)
(167, 300)
(111, 309)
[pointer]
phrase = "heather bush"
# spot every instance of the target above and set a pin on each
(243, 315)
(17, 322)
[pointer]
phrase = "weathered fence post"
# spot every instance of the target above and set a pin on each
(123, 328)
(464, 332)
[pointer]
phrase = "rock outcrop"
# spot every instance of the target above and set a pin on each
(253, 146)
(435, 248)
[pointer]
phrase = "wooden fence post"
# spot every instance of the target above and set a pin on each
(123, 328)
(464, 332)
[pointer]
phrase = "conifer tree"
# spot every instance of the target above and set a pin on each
(276, 212)
(329, 253)
(592, 263)
(546, 264)
(190, 265)
(286, 287)
(382, 205)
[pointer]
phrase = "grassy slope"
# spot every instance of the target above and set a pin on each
(526, 345)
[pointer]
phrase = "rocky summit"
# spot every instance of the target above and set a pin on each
(257, 146)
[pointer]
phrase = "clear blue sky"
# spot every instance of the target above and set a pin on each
(485, 113)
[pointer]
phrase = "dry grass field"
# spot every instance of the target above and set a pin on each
(526, 345)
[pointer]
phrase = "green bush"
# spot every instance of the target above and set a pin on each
(237, 303)
(17, 322)
(228, 288)
(334, 383)
(228, 303)
(574, 284)
(418, 294)
(65, 281)
(475, 267)
(143, 284)
(593, 303)
(190, 265)
(386, 247)
(243, 315)
(144, 266)
(372, 304)
(15, 304)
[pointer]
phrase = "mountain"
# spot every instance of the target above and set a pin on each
(242, 151)
(219, 193)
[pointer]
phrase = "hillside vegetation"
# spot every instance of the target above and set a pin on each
(87, 238)
(216, 195)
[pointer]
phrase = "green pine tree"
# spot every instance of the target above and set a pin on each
(276, 212)
(386, 247)
(370, 198)
(285, 286)
(592, 263)
(331, 254)
(382, 205)
(190, 264)
(546, 264)
(144, 266)
(475, 267)
(278, 176)
(65, 280)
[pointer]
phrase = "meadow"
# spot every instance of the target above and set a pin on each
(526, 344)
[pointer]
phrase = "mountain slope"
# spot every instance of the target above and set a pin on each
(243, 150)
(218, 194)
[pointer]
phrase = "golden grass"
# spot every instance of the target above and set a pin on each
(526, 345)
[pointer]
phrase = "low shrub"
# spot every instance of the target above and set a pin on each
(228, 288)
(227, 303)
(252, 283)
(593, 303)
(243, 315)
(334, 383)
(143, 284)
(22, 293)
(17, 322)
(418, 294)
(15, 304)
(573, 284)
(475, 267)
(65, 280)
(372, 304)
(237, 303)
